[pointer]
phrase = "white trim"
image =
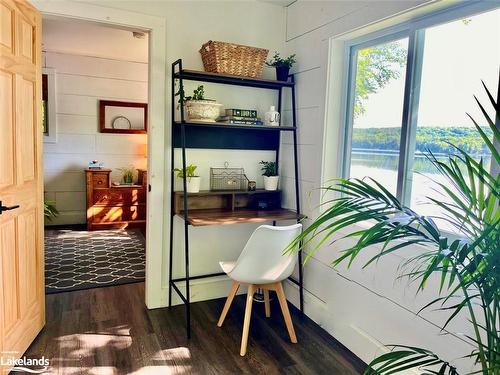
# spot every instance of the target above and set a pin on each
(158, 139)
(51, 136)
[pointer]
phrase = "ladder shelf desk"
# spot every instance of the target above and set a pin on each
(187, 134)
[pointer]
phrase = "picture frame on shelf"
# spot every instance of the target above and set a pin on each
(123, 117)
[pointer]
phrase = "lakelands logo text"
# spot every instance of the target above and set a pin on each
(26, 365)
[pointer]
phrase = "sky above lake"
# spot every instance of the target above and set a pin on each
(457, 56)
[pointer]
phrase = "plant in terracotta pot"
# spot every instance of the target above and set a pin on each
(270, 172)
(282, 65)
(193, 180)
(127, 175)
(199, 108)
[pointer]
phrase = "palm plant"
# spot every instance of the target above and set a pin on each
(49, 210)
(468, 267)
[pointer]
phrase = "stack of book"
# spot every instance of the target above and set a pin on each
(240, 116)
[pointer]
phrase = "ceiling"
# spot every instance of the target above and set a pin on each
(71, 36)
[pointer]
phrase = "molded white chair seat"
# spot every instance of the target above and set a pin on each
(263, 264)
(227, 266)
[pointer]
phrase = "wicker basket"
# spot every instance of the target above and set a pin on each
(229, 58)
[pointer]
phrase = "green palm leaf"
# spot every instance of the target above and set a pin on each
(468, 269)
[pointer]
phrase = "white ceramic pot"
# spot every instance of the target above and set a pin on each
(271, 182)
(193, 184)
(202, 110)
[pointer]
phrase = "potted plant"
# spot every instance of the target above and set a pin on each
(49, 210)
(199, 108)
(270, 172)
(127, 175)
(282, 65)
(193, 181)
(465, 264)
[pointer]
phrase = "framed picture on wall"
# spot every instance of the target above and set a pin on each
(123, 117)
(49, 105)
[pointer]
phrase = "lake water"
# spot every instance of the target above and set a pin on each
(382, 166)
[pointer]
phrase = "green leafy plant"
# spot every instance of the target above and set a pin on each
(468, 268)
(127, 174)
(198, 94)
(49, 210)
(277, 61)
(269, 168)
(190, 171)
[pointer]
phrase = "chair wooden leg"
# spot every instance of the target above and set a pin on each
(267, 304)
(286, 313)
(246, 323)
(229, 300)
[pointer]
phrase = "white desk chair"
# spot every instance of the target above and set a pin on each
(262, 264)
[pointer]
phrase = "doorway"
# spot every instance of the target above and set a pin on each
(158, 140)
(95, 95)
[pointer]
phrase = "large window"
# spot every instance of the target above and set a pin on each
(409, 93)
(377, 110)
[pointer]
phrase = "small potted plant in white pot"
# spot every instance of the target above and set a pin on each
(193, 181)
(270, 172)
(198, 108)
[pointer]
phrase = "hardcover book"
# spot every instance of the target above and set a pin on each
(245, 122)
(225, 118)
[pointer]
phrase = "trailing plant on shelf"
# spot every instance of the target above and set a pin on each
(468, 268)
(282, 65)
(198, 107)
(270, 172)
(193, 180)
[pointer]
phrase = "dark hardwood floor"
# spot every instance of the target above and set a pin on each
(110, 331)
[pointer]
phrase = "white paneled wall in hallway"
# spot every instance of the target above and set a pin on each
(362, 308)
(81, 82)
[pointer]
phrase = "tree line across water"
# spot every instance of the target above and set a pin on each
(433, 138)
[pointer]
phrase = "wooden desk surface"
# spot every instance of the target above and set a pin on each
(225, 217)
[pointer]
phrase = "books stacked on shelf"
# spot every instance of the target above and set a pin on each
(240, 116)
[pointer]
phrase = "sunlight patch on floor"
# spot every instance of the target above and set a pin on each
(173, 353)
(86, 344)
(155, 370)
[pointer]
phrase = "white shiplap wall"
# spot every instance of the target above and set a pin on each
(81, 81)
(363, 309)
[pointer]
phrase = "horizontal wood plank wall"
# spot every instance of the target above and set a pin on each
(362, 308)
(81, 82)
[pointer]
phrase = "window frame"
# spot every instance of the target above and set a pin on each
(415, 32)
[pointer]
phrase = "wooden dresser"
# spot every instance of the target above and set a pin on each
(111, 207)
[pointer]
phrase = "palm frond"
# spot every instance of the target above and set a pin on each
(468, 269)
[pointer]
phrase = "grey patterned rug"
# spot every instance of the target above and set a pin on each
(77, 260)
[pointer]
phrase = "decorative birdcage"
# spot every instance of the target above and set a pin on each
(228, 178)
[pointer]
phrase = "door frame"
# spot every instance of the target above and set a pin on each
(158, 138)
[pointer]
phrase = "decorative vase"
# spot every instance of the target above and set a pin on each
(272, 117)
(282, 73)
(271, 182)
(128, 180)
(193, 184)
(202, 110)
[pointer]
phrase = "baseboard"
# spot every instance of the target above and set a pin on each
(67, 227)
(205, 289)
